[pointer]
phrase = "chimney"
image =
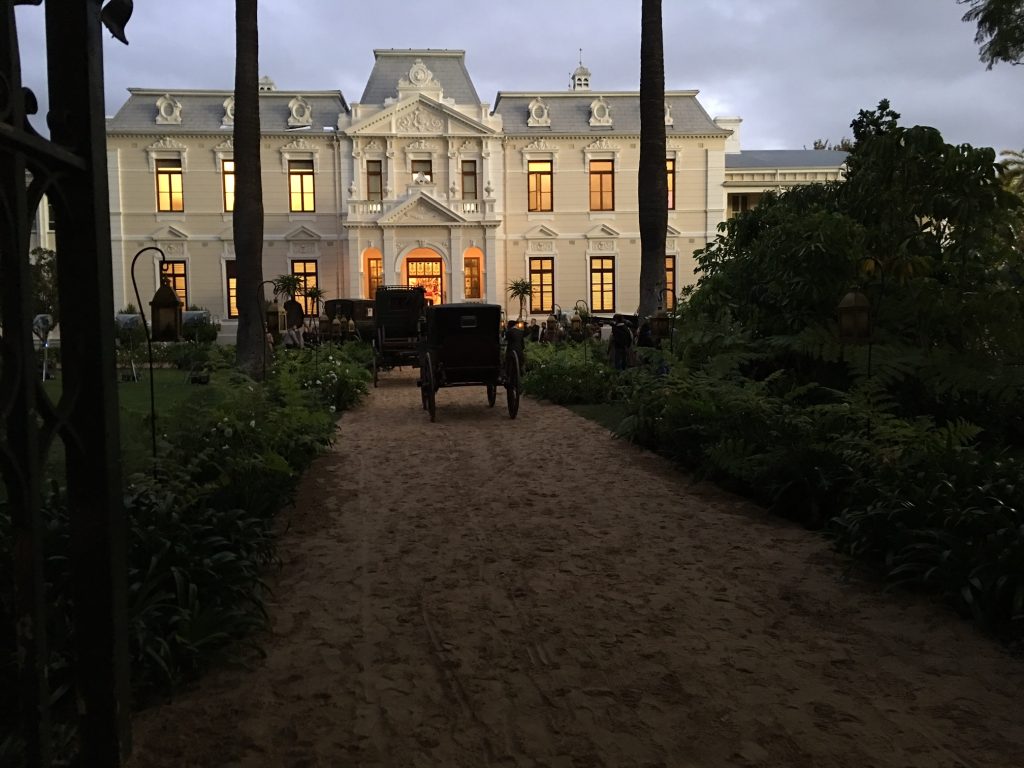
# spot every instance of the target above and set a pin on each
(732, 143)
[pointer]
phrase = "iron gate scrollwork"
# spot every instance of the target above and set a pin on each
(69, 169)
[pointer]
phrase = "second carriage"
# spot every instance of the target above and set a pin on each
(398, 315)
(462, 347)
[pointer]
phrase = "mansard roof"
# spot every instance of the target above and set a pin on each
(570, 113)
(785, 158)
(203, 111)
(447, 66)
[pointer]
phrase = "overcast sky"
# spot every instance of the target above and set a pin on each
(794, 70)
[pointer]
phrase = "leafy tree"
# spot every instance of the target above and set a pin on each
(520, 289)
(43, 268)
(843, 145)
(1000, 29)
(652, 183)
(248, 213)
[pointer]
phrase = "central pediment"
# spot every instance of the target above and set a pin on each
(419, 115)
(420, 210)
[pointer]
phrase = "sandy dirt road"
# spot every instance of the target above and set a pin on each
(488, 592)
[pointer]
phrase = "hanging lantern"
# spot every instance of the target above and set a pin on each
(165, 310)
(854, 313)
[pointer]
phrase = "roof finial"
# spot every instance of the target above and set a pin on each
(581, 57)
(581, 77)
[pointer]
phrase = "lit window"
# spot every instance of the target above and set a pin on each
(602, 284)
(469, 180)
(228, 176)
(542, 285)
(670, 182)
(232, 288)
(374, 180)
(540, 197)
(602, 185)
(375, 275)
(670, 282)
(307, 273)
(300, 185)
(422, 171)
(169, 195)
(174, 274)
(473, 287)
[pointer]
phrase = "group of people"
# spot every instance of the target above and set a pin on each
(297, 334)
(620, 336)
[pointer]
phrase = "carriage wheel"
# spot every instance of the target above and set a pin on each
(427, 387)
(492, 394)
(512, 384)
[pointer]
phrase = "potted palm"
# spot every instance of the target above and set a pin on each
(520, 289)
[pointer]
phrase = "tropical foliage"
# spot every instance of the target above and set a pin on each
(906, 450)
(201, 526)
(1000, 29)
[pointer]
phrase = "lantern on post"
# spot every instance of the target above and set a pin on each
(854, 315)
(165, 310)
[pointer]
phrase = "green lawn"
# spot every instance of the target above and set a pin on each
(169, 389)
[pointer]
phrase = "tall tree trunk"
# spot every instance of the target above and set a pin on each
(251, 350)
(652, 183)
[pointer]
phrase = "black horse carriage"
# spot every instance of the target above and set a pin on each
(340, 311)
(462, 347)
(398, 322)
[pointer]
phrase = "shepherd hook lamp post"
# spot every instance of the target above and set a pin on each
(157, 302)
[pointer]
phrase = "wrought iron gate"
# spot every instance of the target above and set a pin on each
(70, 169)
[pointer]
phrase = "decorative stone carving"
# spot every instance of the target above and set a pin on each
(301, 113)
(168, 110)
(539, 145)
(603, 245)
(298, 144)
(538, 114)
(419, 76)
(603, 145)
(229, 111)
(668, 114)
(165, 149)
(467, 146)
(420, 121)
(600, 115)
(374, 146)
(540, 246)
(420, 145)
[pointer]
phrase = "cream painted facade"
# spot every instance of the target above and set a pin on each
(421, 181)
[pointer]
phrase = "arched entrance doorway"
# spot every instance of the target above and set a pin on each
(425, 267)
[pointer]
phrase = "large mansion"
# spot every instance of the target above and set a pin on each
(421, 182)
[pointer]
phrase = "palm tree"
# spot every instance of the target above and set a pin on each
(1000, 29)
(248, 214)
(652, 195)
(1012, 162)
(520, 289)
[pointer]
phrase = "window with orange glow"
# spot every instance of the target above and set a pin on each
(602, 185)
(169, 192)
(175, 275)
(540, 185)
(300, 186)
(228, 176)
(602, 284)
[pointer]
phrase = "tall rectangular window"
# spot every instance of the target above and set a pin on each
(469, 180)
(374, 180)
(670, 182)
(542, 284)
(473, 286)
(422, 171)
(307, 272)
(231, 276)
(169, 196)
(51, 217)
(738, 204)
(670, 282)
(374, 275)
(300, 186)
(227, 173)
(602, 284)
(540, 195)
(174, 274)
(602, 185)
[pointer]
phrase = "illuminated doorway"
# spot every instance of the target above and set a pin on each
(425, 268)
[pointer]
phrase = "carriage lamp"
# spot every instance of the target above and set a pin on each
(854, 314)
(165, 309)
(661, 324)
